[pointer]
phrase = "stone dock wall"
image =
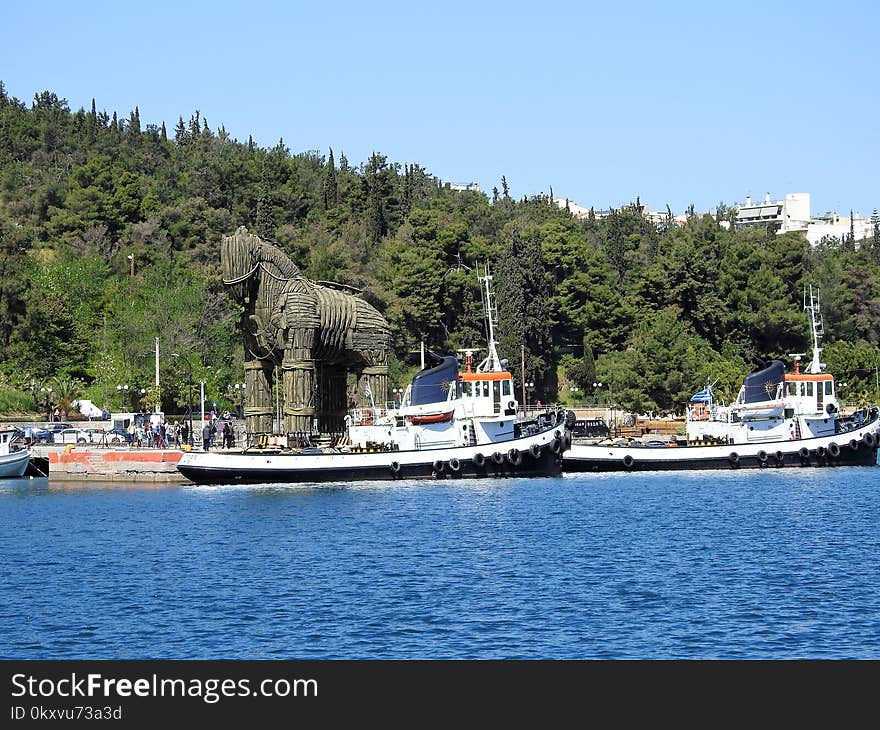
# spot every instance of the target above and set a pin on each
(82, 463)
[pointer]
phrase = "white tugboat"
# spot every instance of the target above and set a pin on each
(449, 423)
(778, 419)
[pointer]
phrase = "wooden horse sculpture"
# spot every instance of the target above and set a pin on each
(315, 333)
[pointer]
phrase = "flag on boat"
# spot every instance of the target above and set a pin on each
(704, 396)
(368, 392)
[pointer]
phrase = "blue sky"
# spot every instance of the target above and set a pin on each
(678, 103)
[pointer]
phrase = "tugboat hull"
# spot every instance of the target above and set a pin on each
(856, 448)
(538, 455)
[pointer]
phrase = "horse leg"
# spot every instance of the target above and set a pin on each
(258, 411)
(298, 371)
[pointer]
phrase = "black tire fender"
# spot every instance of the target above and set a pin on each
(395, 467)
(438, 466)
(780, 457)
(514, 457)
(498, 457)
(454, 464)
(869, 440)
(556, 446)
(762, 456)
(535, 451)
(628, 460)
(804, 452)
(478, 459)
(734, 458)
(854, 444)
(833, 450)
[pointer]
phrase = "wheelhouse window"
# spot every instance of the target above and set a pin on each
(829, 387)
(809, 388)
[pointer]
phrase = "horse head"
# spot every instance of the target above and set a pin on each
(243, 254)
(239, 260)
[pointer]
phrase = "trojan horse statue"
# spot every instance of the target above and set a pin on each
(316, 334)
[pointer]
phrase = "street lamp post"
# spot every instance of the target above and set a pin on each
(189, 381)
(398, 396)
(530, 386)
(123, 391)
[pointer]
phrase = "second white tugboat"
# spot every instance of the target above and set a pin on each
(778, 419)
(449, 424)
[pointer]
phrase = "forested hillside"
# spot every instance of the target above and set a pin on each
(110, 230)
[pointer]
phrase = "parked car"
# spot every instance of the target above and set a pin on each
(591, 428)
(118, 436)
(72, 436)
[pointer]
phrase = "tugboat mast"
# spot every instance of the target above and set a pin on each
(815, 366)
(491, 364)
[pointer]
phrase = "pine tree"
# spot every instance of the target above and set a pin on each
(263, 222)
(163, 133)
(329, 190)
(524, 308)
(180, 131)
(494, 195)
(875, 233)
(343, 163)
(852, 232)
(505, 191)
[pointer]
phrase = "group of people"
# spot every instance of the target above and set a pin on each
(159, 435)
(218, 432)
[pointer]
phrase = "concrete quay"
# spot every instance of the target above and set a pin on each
(89, 463)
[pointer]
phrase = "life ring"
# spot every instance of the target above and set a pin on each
(557, 433)
(514, 457)
(854, 444)
(454, 464)
(556, 446)
(395, 467)
(780, 457)
(869, 440)
(535, 451)
(498, 457)
(734, 458)
(804, 452)
(762, 456)
(438, 466)
(628, 461)
(833, 450)
(478, 459)
(511, 404)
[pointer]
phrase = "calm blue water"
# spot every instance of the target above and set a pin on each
(694, 565)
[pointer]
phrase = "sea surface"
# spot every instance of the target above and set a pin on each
(695, 565)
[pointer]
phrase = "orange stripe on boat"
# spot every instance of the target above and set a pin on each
(485, 376)
(808, 377)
